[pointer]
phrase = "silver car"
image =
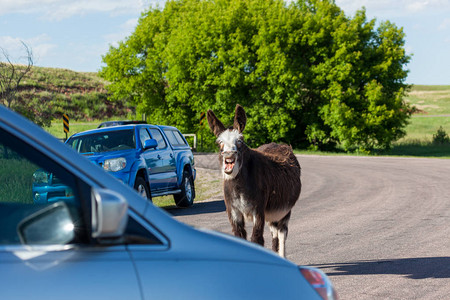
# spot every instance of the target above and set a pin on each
(101, 240)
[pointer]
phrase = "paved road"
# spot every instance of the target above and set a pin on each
(379, 227)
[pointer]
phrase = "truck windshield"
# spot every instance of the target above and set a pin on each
(103, 141)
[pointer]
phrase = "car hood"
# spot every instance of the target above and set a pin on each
(105, 155)
(205, 244)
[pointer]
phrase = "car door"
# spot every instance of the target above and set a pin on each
(168, 168)
(154, 160)
(45, 248)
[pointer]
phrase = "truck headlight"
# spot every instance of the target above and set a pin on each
(115, 164)
(41, 177)
(37, 197)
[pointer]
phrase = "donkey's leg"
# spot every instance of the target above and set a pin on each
(279, 234)
(282, 233)
(258, 229)
(274, 231)
(237, 223)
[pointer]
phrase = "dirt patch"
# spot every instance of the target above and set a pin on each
(208, 185)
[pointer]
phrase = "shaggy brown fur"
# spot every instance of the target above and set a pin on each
(260, 184)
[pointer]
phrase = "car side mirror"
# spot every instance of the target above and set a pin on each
(150, 144)
(52, 225)
(109, 214)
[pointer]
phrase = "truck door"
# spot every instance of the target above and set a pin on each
(154, 162)
(169, 167)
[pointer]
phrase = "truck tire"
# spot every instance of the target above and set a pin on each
(142, 188)
(187, 195)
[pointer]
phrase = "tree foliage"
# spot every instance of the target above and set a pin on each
(306, 73)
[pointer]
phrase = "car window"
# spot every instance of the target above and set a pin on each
(103, 141)
(143, 135)
(174, 137)
(135, 233)
(179, 137)
(38, 199)
(156, 134)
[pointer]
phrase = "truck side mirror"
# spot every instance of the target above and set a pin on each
(150, 144)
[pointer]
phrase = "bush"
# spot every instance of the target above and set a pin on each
(441, 137)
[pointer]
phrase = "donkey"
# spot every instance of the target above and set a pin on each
(260, 184)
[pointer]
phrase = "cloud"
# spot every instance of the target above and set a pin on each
(395, 8)
(39, 45)
(125, 30)
(62, 9)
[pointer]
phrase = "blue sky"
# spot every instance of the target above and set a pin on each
(74, 34)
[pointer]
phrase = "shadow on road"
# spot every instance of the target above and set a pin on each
(198, 208)
(414, 268)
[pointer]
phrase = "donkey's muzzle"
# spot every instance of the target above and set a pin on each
(229, 160)
(229, 153)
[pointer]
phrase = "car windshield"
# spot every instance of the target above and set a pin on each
(103, 141)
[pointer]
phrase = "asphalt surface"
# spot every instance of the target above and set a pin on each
(379, 227)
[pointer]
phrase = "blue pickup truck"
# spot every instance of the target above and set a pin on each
(154, 160)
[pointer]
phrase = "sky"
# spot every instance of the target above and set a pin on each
(74, 34)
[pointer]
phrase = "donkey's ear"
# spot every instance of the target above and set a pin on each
(214, 123)
(240, 119)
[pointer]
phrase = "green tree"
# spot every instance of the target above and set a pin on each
(305, 72)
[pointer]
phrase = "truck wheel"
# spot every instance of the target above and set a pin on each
(187, 195)
(142, 188)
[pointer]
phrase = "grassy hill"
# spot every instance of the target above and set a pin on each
(83, 96)
(432, 105)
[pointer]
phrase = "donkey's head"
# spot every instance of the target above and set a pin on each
(230, 140)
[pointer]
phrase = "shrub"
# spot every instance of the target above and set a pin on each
(441, 137)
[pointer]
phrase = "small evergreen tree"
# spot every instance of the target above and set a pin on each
(441, 137)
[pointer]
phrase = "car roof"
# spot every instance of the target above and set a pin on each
(122, 127)
(118, 123)
(167, 127)
(113, 128)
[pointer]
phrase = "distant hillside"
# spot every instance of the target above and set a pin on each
(51, 92)
(430, 99)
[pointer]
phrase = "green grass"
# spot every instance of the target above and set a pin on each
(423, 127)
(208, 185)
(16, 177)
(57, 129)
(433, 111)
(164, 202)
(430, 100)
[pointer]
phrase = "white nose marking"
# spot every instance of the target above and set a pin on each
(228, 153)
